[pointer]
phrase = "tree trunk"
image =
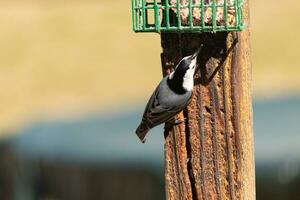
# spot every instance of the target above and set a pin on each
(210, 156)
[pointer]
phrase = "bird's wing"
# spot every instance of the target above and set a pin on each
(156, 113)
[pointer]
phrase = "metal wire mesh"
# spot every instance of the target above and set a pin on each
(187, 15)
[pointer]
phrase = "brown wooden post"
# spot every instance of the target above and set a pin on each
(210, 156)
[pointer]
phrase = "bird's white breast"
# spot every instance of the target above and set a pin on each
(188, 83)
(188, 79)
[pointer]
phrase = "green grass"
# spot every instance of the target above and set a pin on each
(63, 58)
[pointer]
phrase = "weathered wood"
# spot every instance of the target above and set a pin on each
(210, 156)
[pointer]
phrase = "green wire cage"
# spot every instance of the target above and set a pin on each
(187, 15)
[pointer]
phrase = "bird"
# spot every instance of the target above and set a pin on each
(171, 96)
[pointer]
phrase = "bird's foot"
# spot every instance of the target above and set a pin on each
(171, 123)
(178, 121)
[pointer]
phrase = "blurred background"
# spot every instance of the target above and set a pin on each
(73, 83)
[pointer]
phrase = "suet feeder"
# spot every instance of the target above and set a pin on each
(187, 15)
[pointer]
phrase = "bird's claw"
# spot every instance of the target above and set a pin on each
(178, 121)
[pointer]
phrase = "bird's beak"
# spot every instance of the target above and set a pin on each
(197, 52)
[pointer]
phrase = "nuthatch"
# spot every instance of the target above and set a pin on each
(171, 96)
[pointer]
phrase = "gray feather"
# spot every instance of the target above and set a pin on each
(162, 106)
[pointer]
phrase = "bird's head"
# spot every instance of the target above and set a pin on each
(187, 65)
(183, 76)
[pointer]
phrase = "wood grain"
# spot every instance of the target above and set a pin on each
(210, 156)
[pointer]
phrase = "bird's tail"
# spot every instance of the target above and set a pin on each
(142, 131)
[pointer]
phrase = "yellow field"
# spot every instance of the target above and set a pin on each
(65, 58)
(275, 47)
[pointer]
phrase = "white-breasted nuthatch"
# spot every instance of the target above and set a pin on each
(171, 96)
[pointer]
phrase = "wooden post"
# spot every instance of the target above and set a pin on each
(210, 156)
